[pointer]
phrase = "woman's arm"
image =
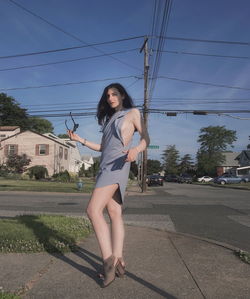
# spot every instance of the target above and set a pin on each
(144, 141)
(83, 141)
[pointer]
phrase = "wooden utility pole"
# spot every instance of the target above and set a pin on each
(145, 111)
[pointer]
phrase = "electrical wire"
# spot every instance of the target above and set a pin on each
(204, 54)
(68, 83)
(203, 40)
(232, 116)
(67, 33)
(156, 63)
(66, 61)
(71, 48)
(203, 83)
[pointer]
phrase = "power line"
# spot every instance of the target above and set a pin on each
(203, 83)
(71, 48)
(65, 32)
(158, 99)
(204, 54)
(156, 63)
(161, 111)
(65, 61)
(68, 83)
(204, 40)
(197, 111)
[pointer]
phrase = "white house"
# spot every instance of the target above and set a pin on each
(88, 161)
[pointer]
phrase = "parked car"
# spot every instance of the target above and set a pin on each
(185, 179)
(171, 178)
(205, 179)
(154, 180)
(229, 179)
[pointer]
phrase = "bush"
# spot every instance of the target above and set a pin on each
(39, 172)
(62, 176)
(17, 163)
(3, 171)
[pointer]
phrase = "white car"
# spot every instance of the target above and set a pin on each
(205, 179)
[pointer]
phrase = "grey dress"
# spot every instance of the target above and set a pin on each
(113, 168)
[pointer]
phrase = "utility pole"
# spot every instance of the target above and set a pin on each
(145, 111)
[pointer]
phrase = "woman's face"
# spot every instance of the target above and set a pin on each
(114, 99)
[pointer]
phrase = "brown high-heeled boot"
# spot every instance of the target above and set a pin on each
(109, 268)
(120, 268)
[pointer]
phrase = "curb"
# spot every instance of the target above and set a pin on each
(210, 241)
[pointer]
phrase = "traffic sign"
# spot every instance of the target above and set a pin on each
(153, 146)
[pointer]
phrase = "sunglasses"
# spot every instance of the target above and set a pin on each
(75, 127)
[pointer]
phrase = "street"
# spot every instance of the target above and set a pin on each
(210, 212)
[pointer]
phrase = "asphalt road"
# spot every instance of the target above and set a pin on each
(210, 212)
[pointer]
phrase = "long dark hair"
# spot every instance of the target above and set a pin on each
(104, 111)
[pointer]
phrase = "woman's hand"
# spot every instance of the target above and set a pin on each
(131, 154)
(73, 136)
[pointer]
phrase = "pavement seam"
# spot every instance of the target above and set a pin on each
(30, 284)
(186, 266)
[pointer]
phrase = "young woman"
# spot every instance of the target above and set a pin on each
(119, 121)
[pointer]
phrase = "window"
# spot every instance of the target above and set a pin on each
(66, 154)
(11, 150)
(60, 152)
(42, 149)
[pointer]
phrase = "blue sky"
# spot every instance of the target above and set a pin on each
(99, 21)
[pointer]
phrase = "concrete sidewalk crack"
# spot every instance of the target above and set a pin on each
(30, 284)
(186, 266)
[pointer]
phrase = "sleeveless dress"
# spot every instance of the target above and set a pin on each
(113, 168)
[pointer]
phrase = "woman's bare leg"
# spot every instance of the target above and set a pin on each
(96, 205)
(117, 227)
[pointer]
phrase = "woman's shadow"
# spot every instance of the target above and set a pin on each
(45, 235)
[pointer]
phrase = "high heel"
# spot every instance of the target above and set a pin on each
(109, 271)
(120, 268)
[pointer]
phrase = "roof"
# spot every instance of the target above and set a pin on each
(245, 153)
(86, 157)
(230, 159)
(50, 138)
(8, 128)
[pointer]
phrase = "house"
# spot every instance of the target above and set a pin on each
(229, 165)
(46, 150)
(74, 157)
(244, 158)
(88, 161)
(6, 131)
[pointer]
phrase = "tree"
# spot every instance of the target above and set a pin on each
(153, 166)
(170, 159)
(214, 141)
(11, 113)
(17, 163)
(40, 125)
(63, 136)
(91, 171)
(186, 165)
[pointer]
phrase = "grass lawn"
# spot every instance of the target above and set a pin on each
(30, 185)
(37, 233)
(8, 296)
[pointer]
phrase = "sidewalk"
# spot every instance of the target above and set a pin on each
(159, 265)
